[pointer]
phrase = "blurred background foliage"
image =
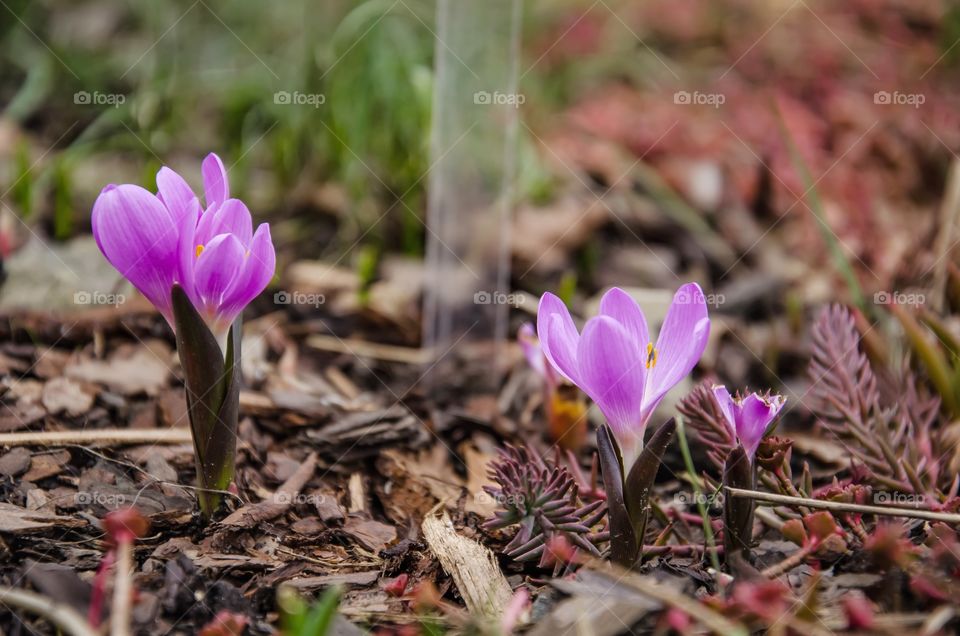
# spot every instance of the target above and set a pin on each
(341, 165)
(194, 77)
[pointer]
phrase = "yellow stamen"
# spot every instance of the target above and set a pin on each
(651, 356)
(199, 250)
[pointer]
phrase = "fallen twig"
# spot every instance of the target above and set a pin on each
(107, 436)
(367, 349)
(911, 513)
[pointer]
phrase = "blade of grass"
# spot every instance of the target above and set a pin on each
(840, 260)
(698, 493)
(949, 211)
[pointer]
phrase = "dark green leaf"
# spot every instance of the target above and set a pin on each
(738, 472)
(623, 540)
(640, 479)
(212, 390)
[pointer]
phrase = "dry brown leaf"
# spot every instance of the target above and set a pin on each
(65, 395)
(45, 465)
(252, 514)
(416, 482)
(15, 462)
(477, 463)
(140, 369)
(372, 535)
(311, 583)
(17, 520)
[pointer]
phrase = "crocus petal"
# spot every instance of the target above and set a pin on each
(136, 233)
(612, 373)
(755, 416)
(527, 337)
(680, 344)
(558, 336)
(231, 217)
(216, 188)
(258, 267)
(620, 306)
(174, 192)
(187, 251)
(728, 407)
(217, 268)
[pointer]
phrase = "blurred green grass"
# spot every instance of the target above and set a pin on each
(178, 78)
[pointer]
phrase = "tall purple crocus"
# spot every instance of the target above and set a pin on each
(748, 417)
(615, 361)
(200, 266)
(160, 240)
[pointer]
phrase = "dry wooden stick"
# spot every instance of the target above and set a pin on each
(63, 616)
(473, 567)
(107, 437)
(911, 513)
(367, 349)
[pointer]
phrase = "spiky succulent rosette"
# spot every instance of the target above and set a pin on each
(544, 501)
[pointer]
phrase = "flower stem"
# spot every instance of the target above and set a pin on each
(99, 589)
(122, 590)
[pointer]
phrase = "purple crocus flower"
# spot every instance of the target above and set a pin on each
(615, 362)
(158, 240)
(748, 417)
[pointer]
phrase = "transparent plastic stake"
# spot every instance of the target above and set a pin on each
(472, 148)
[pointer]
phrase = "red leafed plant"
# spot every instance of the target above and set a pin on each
(892, 435)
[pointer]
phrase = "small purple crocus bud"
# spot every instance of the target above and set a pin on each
(160, 240)
(748, 417)
(616, 363)
(533, 352)
(564, 405)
